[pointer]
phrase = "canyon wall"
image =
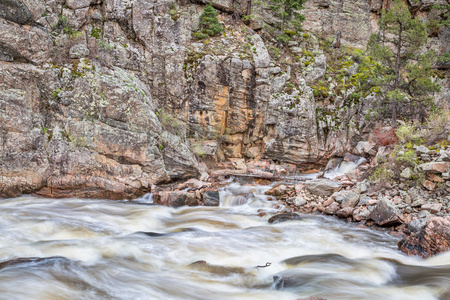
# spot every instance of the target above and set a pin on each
(104, 98)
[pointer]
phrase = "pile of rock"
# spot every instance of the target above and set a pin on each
(190, 193)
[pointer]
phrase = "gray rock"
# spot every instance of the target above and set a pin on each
(76, 4)
(422, 150)
(211, 198)
(299, 201)
(365, 148)
(385, 213)
(363, 200)
(317, 70)
(435, 167)
(361, 187)
(338, 196)
(15, 11)
(332, 208)
(350, 200)
(406, 173)
(432, 207)
(322, 187)
(78, 51)
(345, 212)
(261, 56)
(444, 155)
(423, 214)
(360, 214)
(418, 203)
(416, 225)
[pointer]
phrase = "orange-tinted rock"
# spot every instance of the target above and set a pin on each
(431, 240)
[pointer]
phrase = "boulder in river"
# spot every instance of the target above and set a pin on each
(322, 187)
(176, 198)
(284, 217)
(211, 198)
(434, 238)
(385, 213)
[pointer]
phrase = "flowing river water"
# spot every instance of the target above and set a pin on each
(99, 249)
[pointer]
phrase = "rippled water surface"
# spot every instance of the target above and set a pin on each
(97, 249)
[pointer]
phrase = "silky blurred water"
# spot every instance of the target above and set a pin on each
(99, 249)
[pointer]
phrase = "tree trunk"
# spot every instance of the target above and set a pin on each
(338, 40)
(397, 77)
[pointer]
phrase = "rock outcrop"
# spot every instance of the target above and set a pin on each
(105, 98)
(433, 239)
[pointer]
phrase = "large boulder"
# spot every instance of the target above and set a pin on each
(322, 187)
(385, 213)
(211, 198)
(434, 238)
(176, 198)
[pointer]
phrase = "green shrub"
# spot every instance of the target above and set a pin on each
(437, 126)
(382, 174)
(407, 133)
(409, 158)
(208, 22)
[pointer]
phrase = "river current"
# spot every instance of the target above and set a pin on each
(99, 249)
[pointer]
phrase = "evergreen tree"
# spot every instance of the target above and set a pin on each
(208, 23)
(444, 9)
(401, 73)
(288, 12)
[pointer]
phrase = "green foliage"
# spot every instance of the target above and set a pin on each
(174, 13)
(395, 66)
(209, 24)
(96, 33)
(160, 147)
(382, 174)
(56, 92)
(437, 126)
(105, 46)
(444, 10)
(288, 12)
(407, 133)
(408, 158)
(198, 150)
(63, 22)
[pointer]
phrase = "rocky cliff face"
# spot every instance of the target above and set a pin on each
(105, 98)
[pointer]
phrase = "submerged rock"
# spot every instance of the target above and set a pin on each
(434, 238)
(29, 260)
(284, 217)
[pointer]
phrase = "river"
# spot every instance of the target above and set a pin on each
(99, 249)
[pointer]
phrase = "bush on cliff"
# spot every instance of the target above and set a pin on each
(208, 23)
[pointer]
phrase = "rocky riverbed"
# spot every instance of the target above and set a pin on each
(419, 214)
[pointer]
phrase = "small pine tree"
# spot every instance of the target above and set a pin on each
(288, 12)
(208, 22)
(401, 73)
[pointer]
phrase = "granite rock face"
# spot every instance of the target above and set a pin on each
(105, 98)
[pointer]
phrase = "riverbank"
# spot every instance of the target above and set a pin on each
(415, 212)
